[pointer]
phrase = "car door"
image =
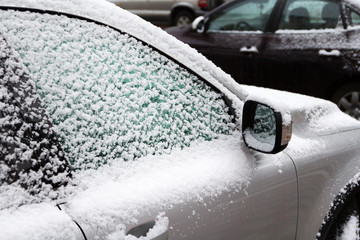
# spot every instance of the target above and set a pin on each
(234, 35)
(305, 53)
(265, 209)
(115, 100)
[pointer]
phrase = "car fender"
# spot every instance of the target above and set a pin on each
(331, 163)
(347, 192)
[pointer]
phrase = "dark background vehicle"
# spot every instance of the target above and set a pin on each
(303, 46)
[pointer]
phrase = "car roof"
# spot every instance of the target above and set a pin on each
(113, 16)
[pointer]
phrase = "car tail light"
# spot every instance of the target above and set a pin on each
(203, 3)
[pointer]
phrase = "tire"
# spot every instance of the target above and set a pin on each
(347, 98)
(346, 223)
(183, 17)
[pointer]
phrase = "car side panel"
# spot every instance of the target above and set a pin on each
(265, 209)
(323, 172)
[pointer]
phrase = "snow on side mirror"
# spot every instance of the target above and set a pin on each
(264, 129)
(198, 24)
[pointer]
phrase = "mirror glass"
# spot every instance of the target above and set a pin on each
(261, 134)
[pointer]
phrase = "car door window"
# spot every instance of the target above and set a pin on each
(109, 96)
(310, 14)
(246, 15)
(354, 17)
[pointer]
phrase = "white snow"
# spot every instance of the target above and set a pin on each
(37, 221)
(311, 116)
(110, 97)
(112, 15)
(118, 193)
(350, 229)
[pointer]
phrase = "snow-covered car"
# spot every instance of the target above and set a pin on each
(112, 129)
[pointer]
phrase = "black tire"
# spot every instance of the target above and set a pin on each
(183, 17)
(349, 214)
(348, 99)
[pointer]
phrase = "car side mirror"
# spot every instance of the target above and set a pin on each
(264, 129)
(199, 24)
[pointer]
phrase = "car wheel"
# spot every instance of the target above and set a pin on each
(346, 223)
(183, 18)
(348, 99)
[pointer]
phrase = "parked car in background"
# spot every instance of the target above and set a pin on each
(112, 129)
(304, 46)
(173, 12)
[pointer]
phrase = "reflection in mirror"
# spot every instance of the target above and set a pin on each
(261, 134)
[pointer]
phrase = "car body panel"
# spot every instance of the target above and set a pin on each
(231, 213)
(322, 176)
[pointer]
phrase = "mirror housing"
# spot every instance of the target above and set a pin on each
(199, 24)
(264, 129)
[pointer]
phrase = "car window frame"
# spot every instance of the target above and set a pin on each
(348, 9)
(226, 99)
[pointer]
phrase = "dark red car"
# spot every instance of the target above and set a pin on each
(305, 46)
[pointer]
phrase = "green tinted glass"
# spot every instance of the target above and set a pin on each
(108, 95)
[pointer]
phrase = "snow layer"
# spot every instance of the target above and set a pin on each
(350, 229)
(310, 116)
(110, 97)
(104, 199)
(38, 221)
(119, 193)
(112, 15)
(31, 158)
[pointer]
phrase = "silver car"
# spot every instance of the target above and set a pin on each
(112, 129)
(175, 12)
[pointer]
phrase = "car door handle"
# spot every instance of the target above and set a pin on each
(329, 53)
(249, 49)
(143, 229)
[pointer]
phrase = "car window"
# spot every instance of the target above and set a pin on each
(310, 14)
(246, 15)
(108, 95)
(28, 144)
(354, 17)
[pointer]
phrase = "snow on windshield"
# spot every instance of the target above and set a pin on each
(109, 96)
